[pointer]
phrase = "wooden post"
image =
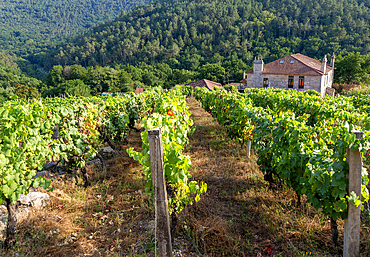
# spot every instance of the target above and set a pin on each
(352, 225)
(162, 221)
(249, 146)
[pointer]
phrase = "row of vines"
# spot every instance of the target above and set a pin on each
(299, 138)
(67, 131)
(70, 131)
(172, 115)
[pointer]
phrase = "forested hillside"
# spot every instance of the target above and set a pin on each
(187, 34)
(29, 25)
(13, 81)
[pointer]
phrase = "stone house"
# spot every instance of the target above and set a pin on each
(295, 71)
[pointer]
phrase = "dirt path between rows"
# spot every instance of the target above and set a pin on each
(239, 216)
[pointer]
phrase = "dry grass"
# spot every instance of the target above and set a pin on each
(238, 216)
(109, 218)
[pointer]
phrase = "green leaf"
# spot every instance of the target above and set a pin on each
(3, 161)
(172, 157)
(203, 188)
(193, 187)
(354, 199)
(6, 190)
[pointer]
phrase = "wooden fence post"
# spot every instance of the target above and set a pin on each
(162, 221)
(352, 225)
(249, 146)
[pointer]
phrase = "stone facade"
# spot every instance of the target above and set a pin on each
(311, 75)
(317, 83)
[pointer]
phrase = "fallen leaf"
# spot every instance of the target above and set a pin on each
(104, 217)
(112, 244)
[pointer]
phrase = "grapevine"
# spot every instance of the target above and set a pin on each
(173, 117)
(303, 144)
(69, 130)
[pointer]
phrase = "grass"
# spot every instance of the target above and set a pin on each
(238, 216)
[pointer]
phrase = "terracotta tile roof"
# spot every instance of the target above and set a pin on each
(204, 83)
(235, 84)
(295, 64)
(139, 90)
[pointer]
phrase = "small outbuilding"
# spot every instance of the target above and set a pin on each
(210, 85)
(139, 90)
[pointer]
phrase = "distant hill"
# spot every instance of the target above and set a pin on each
(11, 77)
(187, 34)
(27, 26)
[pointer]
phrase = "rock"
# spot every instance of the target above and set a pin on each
(3, 210)
(107, 152)
(3, 224)
(34, 199)
(94, 162)
(21, 213)
(44, 174)
(50, 165)
(22, 209)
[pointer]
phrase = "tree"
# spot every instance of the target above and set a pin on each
(55, 76)
(151, 80)
(212, 71)
(5, 94)
(183, 76)
(79, 72)
(351, 69)
(75, 87)
(126, 84)
(24, 91)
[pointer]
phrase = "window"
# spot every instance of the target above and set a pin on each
(281, 61)
(292, 61)
(301, 82)
(265, 82)
(290, 81)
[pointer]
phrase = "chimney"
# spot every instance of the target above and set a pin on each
(332, 60)
(258, 65)
(323, 64)
(243, 75)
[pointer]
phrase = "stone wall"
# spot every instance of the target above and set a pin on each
(317, 83)
(326, 81)
(281, 81)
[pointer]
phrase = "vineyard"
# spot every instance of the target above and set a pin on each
(278, 202)
(300, 139)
